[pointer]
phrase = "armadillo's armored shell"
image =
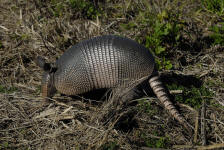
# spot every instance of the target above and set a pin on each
(102, 62)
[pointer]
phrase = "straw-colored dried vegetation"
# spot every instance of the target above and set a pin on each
(186, 38)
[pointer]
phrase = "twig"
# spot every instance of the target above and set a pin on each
(183, 146)
(4, 28)
(176, 91)
(147, 148)
(93, 128)
(188, 107)
(203, 132)
(59, 103)
(214, 146)
(6, 130)
(24, 86)
(45, 45)
(196, 127)
(208, 71)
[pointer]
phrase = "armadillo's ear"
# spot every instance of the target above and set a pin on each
(40, 61)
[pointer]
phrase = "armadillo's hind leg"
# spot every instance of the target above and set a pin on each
(163, 95)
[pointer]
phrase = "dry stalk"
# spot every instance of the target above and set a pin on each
(196, 127)
(203, 123)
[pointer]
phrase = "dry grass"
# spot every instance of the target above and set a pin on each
(28, 30)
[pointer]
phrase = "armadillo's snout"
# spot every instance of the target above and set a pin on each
(47, 86)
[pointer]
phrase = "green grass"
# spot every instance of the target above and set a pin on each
(214, 6)
(218, 33)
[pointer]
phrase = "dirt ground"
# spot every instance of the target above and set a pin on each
(28, 29)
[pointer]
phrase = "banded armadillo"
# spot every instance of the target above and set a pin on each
(104, 62)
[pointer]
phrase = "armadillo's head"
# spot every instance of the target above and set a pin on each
(47, 85)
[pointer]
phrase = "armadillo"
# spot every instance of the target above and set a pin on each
(106, 61)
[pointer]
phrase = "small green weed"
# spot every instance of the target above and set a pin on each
(4, 145)
(215, 6)
(57, 8)
(129, 25)
(25, 37)
(217, 105)
(212, 83)
(191, 96)
(87, 8)
(22, 37)
(110, 146)
(162, 142)
(162, 32)
(1, 45)
(156, 143)
(145, 106)
(218, 33)
(4, 89)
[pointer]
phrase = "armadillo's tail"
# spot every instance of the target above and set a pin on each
(163, 96)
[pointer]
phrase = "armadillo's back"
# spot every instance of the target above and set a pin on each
(102, 62)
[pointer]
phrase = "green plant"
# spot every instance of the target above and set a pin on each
(87, 8)
(110, 146)
(163, 34)
(161, 29)
(22, 37)
(218, 33)
(215, 6)
(4, 145)
(161, 142)
(191, 96)
(4, 89)
(84, 8)
(156, 143)
(129, 25)
(217, 105)
(212, 83)
(1, 45)
(57, 7)
(145, 106)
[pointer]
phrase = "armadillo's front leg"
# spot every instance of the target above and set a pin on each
(163, 96)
